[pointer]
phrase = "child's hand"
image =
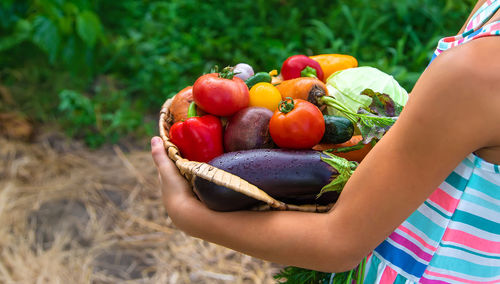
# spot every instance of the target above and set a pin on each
(175, 189)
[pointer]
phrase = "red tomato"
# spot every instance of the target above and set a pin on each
(220, 96)
(302, 127)
(292, 67)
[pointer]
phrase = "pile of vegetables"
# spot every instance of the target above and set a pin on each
(298, 135)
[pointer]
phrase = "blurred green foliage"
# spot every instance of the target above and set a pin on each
(99, 67)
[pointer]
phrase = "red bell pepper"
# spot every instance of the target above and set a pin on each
(198, 138)
(301, 66)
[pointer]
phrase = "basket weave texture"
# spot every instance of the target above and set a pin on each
(190, 169)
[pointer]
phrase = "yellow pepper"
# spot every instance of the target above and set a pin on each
(331, 63)
(265, 95)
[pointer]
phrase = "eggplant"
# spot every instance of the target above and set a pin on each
(326, 198)
(291, 175)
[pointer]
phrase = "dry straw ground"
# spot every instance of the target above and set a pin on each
(71, 215)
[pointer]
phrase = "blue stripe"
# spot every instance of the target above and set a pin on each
(371, 276)
(477, 162)
(473, 34)
(468, 162)
(481, 202)
(456, 181)
(478, 12)
(434, 55)
(400, 279)
(442, 46)
(468, 32)
(437, 210)
(432, 230)
(401, 259)
(497, 170)
(485, 186)
(465, 267)
(478, 222)
(470, 251)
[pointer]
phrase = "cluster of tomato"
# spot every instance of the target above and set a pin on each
(295, 122)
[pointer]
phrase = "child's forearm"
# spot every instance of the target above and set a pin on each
(291, 238)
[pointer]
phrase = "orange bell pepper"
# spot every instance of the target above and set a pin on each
(331, 63)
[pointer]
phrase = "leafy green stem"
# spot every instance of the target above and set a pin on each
(344, 168)
(331, 102)
(227, 73)
(192, 110)
(285, 106)
(368, 120)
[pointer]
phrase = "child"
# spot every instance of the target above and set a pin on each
(425, 202)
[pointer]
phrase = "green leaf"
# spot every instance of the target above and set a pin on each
(46, 36)
(297, 275)
(75, 104)
(345, 169)
(347, 85)
(88, 27)
(23, 26)
(382, 104)
(370, 125)
(70, 8)
(347, 149)
(21, 33)
(374, 127)
(66, 25)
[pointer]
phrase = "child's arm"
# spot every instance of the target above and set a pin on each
(452, 111)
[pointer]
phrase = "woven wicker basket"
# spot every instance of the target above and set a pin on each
(190, 169)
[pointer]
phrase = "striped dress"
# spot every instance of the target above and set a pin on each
(454, 236)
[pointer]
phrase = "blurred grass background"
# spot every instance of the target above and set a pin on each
(100, 69)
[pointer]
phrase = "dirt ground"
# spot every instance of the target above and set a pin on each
(73, 215)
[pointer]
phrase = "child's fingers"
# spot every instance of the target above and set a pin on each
(174, 187)
(163, 163)
(166, 168)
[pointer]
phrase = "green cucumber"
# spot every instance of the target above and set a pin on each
(258, 78)
(338, 129)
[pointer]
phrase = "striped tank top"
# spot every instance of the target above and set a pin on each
(454, 236)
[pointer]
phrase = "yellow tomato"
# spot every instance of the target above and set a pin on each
(265, 95)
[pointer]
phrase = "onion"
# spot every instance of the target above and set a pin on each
(243, 71)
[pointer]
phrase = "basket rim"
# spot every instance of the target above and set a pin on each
(164, 127)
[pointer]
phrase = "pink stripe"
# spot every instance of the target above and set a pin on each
(476, 21)
(443, 199)
(462, 280)
(417, 237)
(410, 246)
(469, 26)
(388, 276)
(469, 240)
(424, 280)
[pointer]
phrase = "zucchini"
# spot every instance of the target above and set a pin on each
(292, 176)
(258, 78)
(338, 129)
